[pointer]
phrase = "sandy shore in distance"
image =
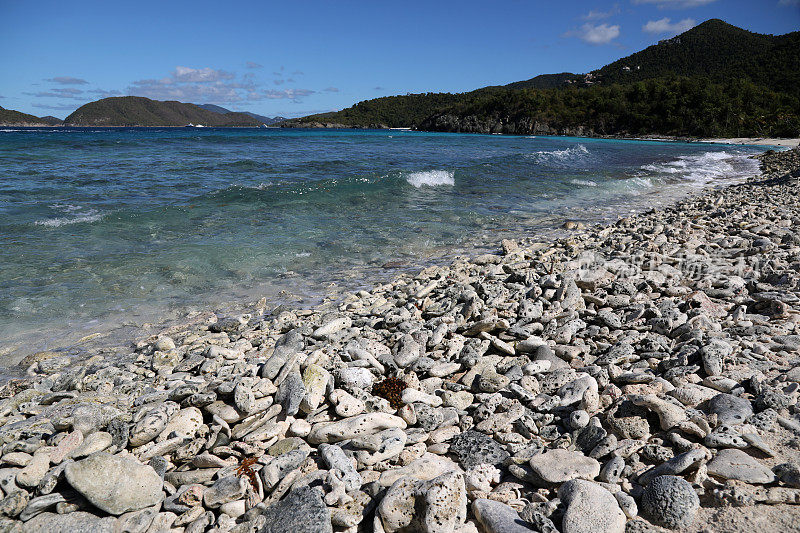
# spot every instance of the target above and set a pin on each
(789, 143)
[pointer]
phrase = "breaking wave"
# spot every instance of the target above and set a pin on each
(431, 178)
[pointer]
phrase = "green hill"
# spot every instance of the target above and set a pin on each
(389, 111)
(712, 80)
(140, 111)
(718, 51)
(9, 117)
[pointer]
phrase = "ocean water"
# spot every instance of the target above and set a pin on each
(102, 231)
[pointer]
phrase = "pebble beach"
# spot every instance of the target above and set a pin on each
(639, 376)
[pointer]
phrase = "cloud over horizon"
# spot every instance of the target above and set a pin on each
(67, 80)
(665, 25)
(595, 34)
(675, 4)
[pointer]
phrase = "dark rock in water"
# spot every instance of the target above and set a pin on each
(301, 511)
(670, 501)
(473, 448)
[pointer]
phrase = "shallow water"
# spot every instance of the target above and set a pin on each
(100, 228)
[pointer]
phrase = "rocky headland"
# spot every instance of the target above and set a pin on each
(634, 377)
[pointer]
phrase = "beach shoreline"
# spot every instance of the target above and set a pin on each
(658, 350)
(116, 331)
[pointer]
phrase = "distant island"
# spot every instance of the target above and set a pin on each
(139, 111)
(714, 80)
(9, 117)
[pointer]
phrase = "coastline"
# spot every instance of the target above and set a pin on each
(752, 141)
(114, 332)
(661, 345)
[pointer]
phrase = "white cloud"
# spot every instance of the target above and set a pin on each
(253, 64)
(596, 14)
(207, 85)
(595, 33)
(67, 80)
(675, 4)
(331, 89)
(295, 95)
(665, 25)
(201, 75)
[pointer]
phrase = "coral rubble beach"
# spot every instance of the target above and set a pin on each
(632, 377)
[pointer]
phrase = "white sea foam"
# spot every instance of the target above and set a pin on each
(706, 167)
(584, 183)
(78, 214)
(431, 178)
(303, 254)
(560, 156)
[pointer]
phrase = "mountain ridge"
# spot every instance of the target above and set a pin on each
(141, 111)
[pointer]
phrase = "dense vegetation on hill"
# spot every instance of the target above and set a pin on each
(392, 111)
(139, 111)
(668, 106)
(9, 117)
(718, 51)
(713, 80)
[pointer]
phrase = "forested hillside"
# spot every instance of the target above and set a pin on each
(713, 80)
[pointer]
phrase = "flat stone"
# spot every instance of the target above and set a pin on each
(590, 508)
(301, 511)
(497, 517)
(225, 490)
(423, 468)
(730, 409)
(670, 501)
(75, 522)
(115, 484)
(732, 463)
(558, 466)
(356, 426)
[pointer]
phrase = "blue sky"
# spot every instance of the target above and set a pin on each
(296, 58)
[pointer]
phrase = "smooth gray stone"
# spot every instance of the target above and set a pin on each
(115, 484)
(590, 507)
(736, 464)
(75, 522)
(496, 517)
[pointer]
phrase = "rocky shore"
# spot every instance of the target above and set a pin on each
(639, 376)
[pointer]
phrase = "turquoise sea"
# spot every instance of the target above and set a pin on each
(102, 230)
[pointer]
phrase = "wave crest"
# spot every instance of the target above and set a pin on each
(431, 178)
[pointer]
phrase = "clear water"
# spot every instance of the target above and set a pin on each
(103, 229)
